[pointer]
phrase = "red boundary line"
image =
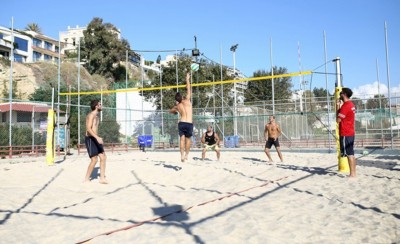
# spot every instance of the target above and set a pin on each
(179, 211)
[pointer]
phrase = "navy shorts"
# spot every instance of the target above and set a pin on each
(93, 147)
(185, 128)
(271, 142)
(346, 146)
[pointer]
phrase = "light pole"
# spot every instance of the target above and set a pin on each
(79, 92)
(10, 95)
(233, 49)
(58, 89)
(126, 98)
(161, 95)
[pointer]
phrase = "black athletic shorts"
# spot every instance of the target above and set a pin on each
(347, 146)
(185, 128)
(272, 141)
(93, 147)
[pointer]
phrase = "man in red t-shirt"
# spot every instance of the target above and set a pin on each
(345, 117)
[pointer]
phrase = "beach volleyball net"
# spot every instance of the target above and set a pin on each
(306, 120)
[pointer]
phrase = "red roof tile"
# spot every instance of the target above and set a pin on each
(25, 107)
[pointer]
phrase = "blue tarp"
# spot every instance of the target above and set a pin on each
(145, 140)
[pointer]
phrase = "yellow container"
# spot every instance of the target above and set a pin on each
(344, 165)
(50, 148)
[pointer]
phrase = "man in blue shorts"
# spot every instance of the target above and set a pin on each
(184, 108)
(345, 117)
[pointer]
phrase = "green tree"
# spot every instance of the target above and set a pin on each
(321, 92)
(319, 99)
(358, 103)
(20, 135)
(373, 103)
(15, 93)
(261, 90)
(33, 27)
(102, 49)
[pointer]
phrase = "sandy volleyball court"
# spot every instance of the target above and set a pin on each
(153, 198)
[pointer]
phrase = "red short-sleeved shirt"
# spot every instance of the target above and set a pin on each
(347, 115)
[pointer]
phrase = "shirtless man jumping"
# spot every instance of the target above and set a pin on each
(271, 134)
(184, 108)
(94, 143)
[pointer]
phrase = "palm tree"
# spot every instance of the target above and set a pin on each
(33, 27)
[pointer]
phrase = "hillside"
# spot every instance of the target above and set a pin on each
(28, 77)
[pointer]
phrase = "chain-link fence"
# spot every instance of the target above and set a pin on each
(304, 123)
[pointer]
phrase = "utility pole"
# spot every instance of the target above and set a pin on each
(233, 49)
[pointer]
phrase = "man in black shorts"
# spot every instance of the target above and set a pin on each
(271, 134)
(94, 143)
(185, 126)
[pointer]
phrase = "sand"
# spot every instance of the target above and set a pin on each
(153, 197)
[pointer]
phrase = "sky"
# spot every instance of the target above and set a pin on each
(265, 31)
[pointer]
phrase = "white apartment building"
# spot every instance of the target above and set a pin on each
(29, 46)
(73, 35)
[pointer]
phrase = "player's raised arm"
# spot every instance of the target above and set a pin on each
(188, 87)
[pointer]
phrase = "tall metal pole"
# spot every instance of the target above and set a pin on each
(142, 71)
(272, 74)
(33, 128)
(235, 90)
(161, 95)
(176, 69)
(327, 94)
(126, 97)
(222, 96)
(379, 96)
(389, 95)
(338, 72)
(58, 89)
(101, 101)
(79, 91)
(304, 83)
(233, 49)
(10, 97)
(301, 92)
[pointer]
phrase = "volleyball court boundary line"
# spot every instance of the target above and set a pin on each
(182, 210)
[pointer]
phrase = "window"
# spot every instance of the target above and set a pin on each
(37, 42)
(1, 35)
(3, 53)
(24, 116)
(19, 58)
(36, 56)
(56, 49)
(47, 57)
(48, 46)
(21, 44)
(3, 119)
